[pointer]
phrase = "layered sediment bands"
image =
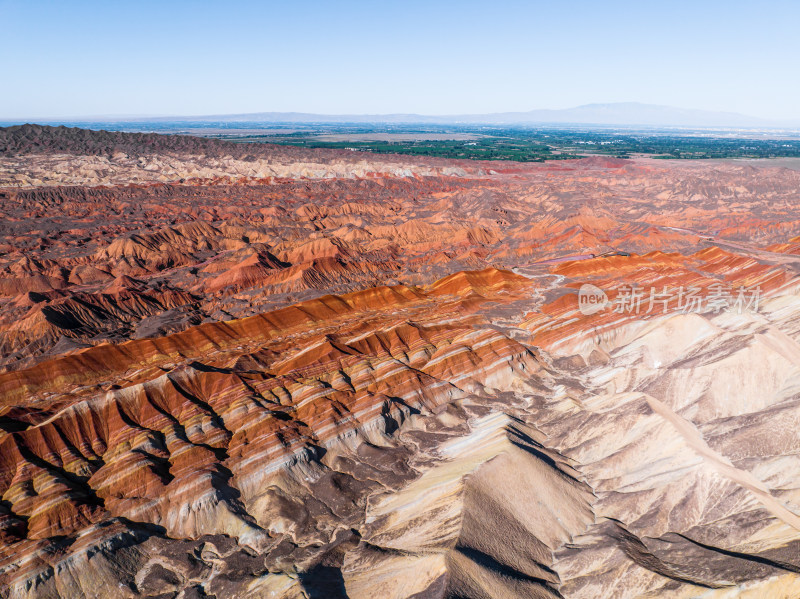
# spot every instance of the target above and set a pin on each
(198, 248)
(382, 383)
(423, 449)
(63, 156)
(662, 283)
(269, 446)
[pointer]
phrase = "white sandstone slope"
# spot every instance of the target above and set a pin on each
(669, 471)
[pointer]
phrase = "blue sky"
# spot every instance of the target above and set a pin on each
(85, 58)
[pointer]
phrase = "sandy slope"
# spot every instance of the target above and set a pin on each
(354, 380)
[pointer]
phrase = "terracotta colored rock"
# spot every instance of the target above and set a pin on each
(242, 371)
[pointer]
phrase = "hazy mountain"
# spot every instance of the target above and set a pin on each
(621, 113)
(634, 113)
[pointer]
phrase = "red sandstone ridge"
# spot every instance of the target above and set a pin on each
(267, 372)
(216, 251)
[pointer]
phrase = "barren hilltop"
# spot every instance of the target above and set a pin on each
(260, 371)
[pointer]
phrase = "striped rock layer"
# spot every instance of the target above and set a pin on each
(296, 374)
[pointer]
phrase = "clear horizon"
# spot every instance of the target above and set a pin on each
(91, 59)
(89, 117)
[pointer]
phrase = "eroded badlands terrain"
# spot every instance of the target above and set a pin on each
(254, 371)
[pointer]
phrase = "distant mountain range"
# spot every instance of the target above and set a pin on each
(618, 114)
(621, 114)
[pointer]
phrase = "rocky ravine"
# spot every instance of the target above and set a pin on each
(450, 434)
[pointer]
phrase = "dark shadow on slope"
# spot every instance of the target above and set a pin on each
(638, 553)
(779, 565)
(490, 563)
(324, 582)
